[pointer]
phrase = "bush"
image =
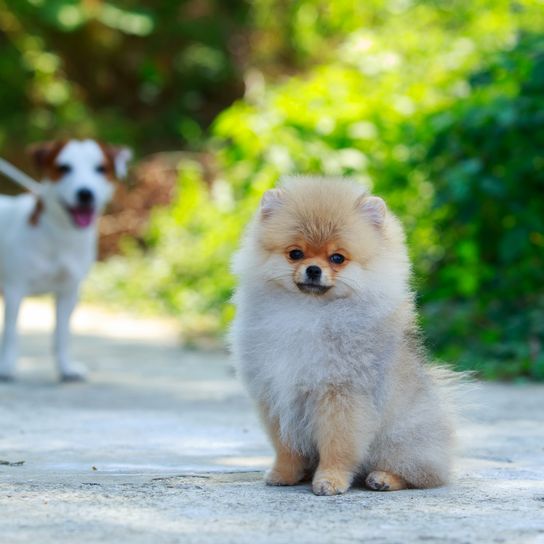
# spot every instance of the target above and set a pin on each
(145, 73)
(485, 298)
(383, 106)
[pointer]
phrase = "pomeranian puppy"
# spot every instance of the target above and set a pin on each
(326, 341)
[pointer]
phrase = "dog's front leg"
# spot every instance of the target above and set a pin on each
(8, 357)
(345, 424)
(289, 467)
(69, 370)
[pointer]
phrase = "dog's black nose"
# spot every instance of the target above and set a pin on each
(85, 196)
(313, 272)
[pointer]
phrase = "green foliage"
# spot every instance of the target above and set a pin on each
(487, 168)
(413, 100)
(150, 74)
(438, 106)
(185, 268)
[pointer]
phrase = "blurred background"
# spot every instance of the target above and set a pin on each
(437, 105)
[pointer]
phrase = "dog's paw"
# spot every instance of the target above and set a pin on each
(279, 477)
(384, 481)
(75, 372)
(330, 484)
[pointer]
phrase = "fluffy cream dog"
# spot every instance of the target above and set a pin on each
(326, 341)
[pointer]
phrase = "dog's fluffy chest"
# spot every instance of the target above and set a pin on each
(291, 351)
(289, 344)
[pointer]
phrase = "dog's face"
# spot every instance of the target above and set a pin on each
(78, 175)
(316, 267)
(326, 239)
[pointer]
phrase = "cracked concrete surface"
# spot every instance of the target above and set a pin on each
(162, 446)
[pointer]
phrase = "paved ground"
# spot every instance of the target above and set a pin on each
(162, 446)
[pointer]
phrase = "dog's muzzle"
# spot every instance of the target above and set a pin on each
(313, 288)
(84, 211)
(312, 284)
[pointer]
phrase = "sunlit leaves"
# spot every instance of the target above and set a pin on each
(437, 106)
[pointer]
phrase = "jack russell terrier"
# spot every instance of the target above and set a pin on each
(48, 241)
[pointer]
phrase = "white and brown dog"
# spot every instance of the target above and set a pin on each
(48, 241)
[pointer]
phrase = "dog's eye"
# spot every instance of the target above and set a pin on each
(336, 258)
(64, 168)
(101, 169)
(296, 254)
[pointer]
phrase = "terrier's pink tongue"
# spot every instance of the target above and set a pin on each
(82, 217)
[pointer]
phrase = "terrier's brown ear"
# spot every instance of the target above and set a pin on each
(271, 201)
(374, 209)
(43, 154)
(119, 156)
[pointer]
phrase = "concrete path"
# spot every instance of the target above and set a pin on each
(162, 446)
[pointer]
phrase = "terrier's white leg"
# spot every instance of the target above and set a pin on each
(69, 370)
(8, 354)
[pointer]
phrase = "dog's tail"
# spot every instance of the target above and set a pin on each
(458, 391)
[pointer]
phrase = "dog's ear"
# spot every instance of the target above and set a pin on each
(271, 201)
(43, 154)
(373, 208)
(119, 157)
